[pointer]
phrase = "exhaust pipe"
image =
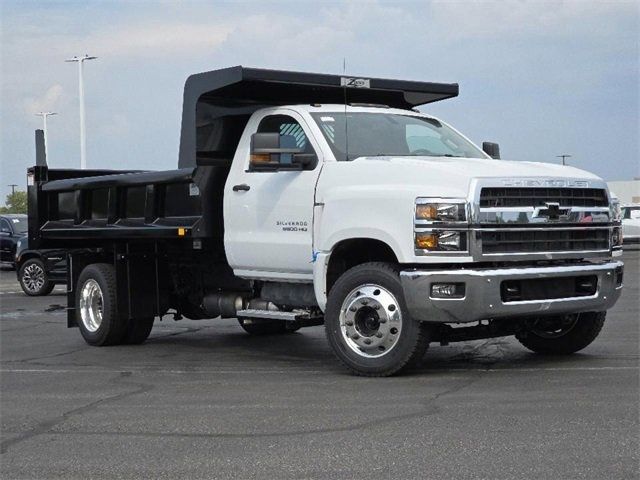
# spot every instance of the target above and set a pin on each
(224, 305)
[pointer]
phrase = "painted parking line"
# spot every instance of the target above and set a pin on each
(280, 371)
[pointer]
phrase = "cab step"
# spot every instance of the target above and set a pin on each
(303, 318)
(272, 315)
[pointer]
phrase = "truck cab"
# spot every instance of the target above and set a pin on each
(306, 199)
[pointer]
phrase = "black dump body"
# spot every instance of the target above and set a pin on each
(69, 211)
(163, 231)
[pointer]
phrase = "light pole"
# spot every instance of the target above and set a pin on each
(563, 157)
(13, 187)
(83, 146)
(44, 116)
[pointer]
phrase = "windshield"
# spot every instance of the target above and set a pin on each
(19, 225)
(382, 134)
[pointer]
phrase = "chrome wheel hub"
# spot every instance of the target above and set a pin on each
(91, 305)
(371, 321)
(33, 277)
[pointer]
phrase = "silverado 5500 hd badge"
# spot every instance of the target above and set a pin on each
(292, 226)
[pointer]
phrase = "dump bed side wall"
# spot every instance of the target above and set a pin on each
(66, 210)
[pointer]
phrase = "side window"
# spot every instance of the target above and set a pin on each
(4, 226)
(291, 134)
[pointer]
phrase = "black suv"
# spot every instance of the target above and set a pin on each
(13, 228)
(39, 271)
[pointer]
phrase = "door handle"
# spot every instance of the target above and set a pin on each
(243, 187)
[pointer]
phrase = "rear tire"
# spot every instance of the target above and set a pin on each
(96, 308)
(138, 331)
(562, 335)
(368, 324)
(34, 280)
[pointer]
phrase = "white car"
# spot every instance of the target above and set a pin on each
(631, 223)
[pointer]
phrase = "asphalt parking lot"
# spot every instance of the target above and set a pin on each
(202, 399)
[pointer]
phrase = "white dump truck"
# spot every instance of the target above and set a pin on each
(304, 199)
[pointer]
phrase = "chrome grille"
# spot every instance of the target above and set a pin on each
(551, 240)
(495, 197)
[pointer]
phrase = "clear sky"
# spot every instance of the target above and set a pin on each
(542, 79)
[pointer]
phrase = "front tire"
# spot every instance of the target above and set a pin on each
(34, 280)
(562, 335)
(368, 325)
(96, 308)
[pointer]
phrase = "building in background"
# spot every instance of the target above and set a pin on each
(627, 191)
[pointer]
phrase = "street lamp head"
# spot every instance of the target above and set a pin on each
(45, 114)
(80, 59)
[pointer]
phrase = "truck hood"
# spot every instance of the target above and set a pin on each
(482, 167)
(437, 176)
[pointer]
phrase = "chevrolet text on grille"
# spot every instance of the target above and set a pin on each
(544, 183)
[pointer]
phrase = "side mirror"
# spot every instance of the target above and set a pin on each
(491, 149)
(267, 153)
(305, 160)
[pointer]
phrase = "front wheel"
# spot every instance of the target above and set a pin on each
(562, 335)
(368, 325)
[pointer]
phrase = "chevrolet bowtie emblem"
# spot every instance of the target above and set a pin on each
(552, 211)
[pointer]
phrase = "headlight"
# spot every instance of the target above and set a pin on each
(440, 211)
(616, 236)
(442, 241)
(440, 225)
(616, 211)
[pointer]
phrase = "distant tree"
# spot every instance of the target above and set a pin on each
(16, 202)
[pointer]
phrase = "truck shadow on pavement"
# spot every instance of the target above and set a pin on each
(310, 349)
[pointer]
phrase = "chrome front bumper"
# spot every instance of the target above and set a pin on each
(482, 298)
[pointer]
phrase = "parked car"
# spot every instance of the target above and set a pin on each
(39, 271)
(631, 223)
(13, 227)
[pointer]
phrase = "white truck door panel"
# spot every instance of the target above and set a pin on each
(269, 227)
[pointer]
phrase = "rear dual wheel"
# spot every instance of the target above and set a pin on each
(96, 310)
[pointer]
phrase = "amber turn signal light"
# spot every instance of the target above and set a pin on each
(427, 241)
(426, 211)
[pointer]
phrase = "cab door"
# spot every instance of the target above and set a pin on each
(268, 215)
